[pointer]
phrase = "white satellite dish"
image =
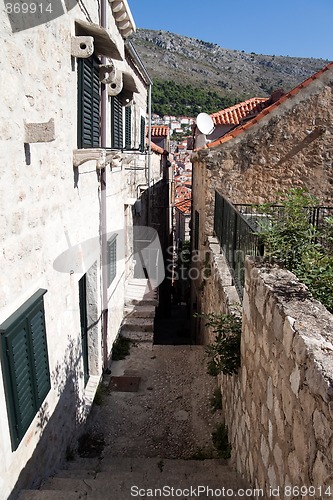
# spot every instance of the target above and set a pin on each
(205, 123)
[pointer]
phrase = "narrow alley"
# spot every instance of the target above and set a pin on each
(150, 428)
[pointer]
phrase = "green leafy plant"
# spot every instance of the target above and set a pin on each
(224, 353)
(121, 348)
(160, 465)
(100, 394)
(221, 441)
(201, 454)
(216, 400)
(290, 238)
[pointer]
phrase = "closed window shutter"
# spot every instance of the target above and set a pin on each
(39, 352)
(142, 134)
(88, 103)
(20, 381)
(25, 365)
(128, 127)
(116, 122)
(112, 259)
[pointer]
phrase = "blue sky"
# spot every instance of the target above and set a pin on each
(301, 28)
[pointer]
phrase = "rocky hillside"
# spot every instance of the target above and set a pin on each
(168, 56)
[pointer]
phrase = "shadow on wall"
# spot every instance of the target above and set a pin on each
(59, 430)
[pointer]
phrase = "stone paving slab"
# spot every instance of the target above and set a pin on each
(170, 415)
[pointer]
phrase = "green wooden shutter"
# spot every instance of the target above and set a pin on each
(39, 352)
(25, 364)
(128, 127)
(84, 326)
(88, 103)
(112, 259)
(142, 134)
(116, 122)
(21, 402)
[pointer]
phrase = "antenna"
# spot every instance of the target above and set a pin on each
(205, 123)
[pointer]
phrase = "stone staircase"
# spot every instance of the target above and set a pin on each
(126, 478)
(139, 312)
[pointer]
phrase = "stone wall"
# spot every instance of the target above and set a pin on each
(279, 408)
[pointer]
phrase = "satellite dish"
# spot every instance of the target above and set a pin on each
(205, 123)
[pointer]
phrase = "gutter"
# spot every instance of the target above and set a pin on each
(103, 212)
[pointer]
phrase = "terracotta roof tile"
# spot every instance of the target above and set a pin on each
(156, 148)
(234, 114)
(238, 130)
(184, 206)
(160, 131)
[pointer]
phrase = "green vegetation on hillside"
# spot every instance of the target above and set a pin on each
(170, 98)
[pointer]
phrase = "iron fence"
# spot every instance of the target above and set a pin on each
(237, 238)
(237, 229)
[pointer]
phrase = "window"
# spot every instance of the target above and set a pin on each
(88, 103)
(112, 259)
(142, 134)
(25, 364)
(116, 122)
(128, 127)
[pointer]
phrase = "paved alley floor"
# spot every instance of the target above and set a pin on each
(170, 414)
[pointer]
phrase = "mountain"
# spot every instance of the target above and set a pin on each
(232, 73)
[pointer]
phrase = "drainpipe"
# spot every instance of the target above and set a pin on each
(103, 211)
(149, 154)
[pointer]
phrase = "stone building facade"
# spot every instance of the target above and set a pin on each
(73, 165)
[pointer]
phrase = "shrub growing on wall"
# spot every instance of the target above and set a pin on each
(224, 352)
(290, 238)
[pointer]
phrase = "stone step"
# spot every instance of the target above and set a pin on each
(119, 474)
(140, 311)
(83, 464)
(129, 464)
(50, 495)
(139, 324)
(76, 473)
(141, 302)
(137, 336)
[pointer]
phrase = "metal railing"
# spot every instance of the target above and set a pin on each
(237, 229)
(237, 238)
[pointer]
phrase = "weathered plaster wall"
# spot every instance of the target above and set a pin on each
(290, 147)
(279, 408)
(46, 208)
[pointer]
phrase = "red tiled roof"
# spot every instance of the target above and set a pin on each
(234, 114)
(182, 192)
(160, 131)
(156, 148)
(184, 206)
(238, 130)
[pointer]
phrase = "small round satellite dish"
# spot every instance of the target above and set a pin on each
(205, 123)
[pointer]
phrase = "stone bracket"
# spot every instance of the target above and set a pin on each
(99, 155)
(107, 73)
(39, 132)
(82, 46)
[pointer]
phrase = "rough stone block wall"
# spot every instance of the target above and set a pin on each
(279, 408)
